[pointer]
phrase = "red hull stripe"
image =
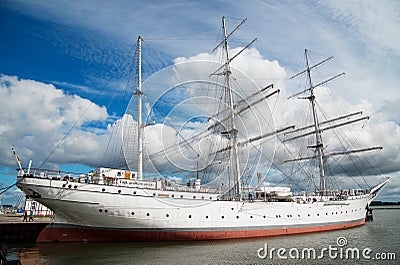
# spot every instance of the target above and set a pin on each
(79, 234)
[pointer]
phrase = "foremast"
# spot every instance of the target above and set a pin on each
(139, 95)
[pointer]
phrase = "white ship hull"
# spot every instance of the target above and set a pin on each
(93, 212)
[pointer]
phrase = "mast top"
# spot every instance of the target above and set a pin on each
(226, 37)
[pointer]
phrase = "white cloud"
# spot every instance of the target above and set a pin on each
(367, 48)
(36, 116)
(369, 21)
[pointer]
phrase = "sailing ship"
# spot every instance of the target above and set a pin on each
(120, 204)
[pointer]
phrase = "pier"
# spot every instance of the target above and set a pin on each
(13, 230)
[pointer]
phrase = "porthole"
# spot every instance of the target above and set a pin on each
(63, 185)
(119, 191)
(206, 216)
(237, 216)
(106, 211)
(194, 197)
(103, 189)
(75, 186)
(181, 196)
(148, 214)
(251, 216)
(69, 186)
(317, 214)
(167, 215)
(172, 195)
(326, 213)
(101, 210)
(210, 198)
(222, 217)
(190, 216)
(264, 217)
(132, 213)
(154, 194)
(232, 209)
(134, 192)
(308, 215)
(202, 197)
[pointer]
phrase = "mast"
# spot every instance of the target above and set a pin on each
(317, 128)
(232, 129)
(139, 94)
(318, 138)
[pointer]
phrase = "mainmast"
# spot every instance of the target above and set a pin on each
(232, 131)
(139, 94)
(227, 115)
(318, 138)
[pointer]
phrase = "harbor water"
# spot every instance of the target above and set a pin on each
(377, 242)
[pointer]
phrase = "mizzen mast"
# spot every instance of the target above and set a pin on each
(319, 146)
(316, 127)
(318, 138)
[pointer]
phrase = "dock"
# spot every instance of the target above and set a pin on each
(13, 230)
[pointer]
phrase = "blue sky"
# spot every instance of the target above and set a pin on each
(71, 50)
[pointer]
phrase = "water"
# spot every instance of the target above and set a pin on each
(381, 236)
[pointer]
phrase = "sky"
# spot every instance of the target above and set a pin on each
(64, 64)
